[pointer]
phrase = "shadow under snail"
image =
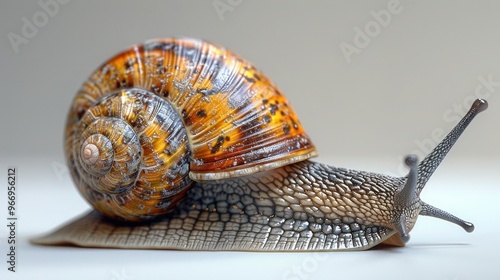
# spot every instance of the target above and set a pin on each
(182, 144)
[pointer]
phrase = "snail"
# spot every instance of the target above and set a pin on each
(181, 144)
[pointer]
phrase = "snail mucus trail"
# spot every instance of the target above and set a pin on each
(181, 144)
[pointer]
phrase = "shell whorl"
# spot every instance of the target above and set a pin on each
(131, 157)
(234, 122)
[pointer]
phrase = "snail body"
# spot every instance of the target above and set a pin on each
(181, 144)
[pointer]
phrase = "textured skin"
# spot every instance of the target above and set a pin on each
(303, 206)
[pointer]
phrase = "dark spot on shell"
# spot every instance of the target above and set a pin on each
(286, 128)
(267, 119)
(257, 77)
(218, 144)
(273, 109)
(282, 113)
(201, 113)
(250, 80)
(155, 88)
(227, 138)
(168, 152)
(124, 84)
(128, 65)
(161, 70)
(187, 119)
(265, 101)
(80, 113)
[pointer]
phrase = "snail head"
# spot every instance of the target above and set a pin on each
(408, 205)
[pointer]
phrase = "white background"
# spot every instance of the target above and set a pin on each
(410, 80)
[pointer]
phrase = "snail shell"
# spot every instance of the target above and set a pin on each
(184, 127)
(133, 159)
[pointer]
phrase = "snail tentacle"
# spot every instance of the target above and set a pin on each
(431, 211)
(406, 197)
(431, 162)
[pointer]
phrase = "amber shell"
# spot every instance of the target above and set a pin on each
(236, 120)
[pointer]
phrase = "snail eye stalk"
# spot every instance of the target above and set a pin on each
(419, 175)
(430, 163)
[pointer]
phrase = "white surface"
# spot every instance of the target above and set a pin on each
(437, 249)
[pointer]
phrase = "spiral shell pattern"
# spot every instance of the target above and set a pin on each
(131, 160)
(235, 122)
